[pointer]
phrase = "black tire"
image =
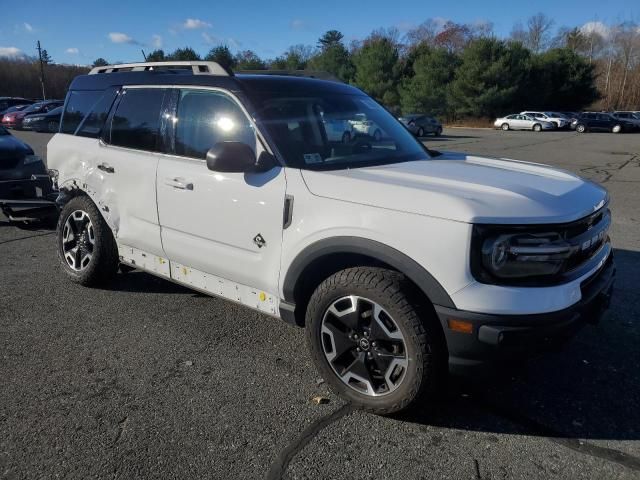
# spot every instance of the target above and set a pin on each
(581, 128)
(421, 132)
(537, 127)
(103, 264)
(438, 132)
(421, 334)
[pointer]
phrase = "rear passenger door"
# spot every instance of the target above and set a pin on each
(221, 231)
(125, 172)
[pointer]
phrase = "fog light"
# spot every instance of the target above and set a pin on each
(461, 326)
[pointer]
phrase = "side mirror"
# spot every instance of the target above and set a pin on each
(231, 157)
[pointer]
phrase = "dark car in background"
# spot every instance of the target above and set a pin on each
(421, 124)
(43, 122)
(8, 102)
(601, 122)
(15, 119)
(27, 188)
(627, 116)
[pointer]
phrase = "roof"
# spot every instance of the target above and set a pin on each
(294, 85)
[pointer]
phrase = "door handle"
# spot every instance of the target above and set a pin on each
(105, 167)
(178, 183)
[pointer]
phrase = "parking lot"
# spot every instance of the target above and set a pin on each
(147, 379)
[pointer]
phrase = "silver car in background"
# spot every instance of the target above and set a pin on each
(518, 121)
(558, 120)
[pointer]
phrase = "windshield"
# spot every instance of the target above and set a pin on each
(336, 131)
(33, 108)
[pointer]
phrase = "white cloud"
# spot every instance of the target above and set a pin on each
(28, 27)
(298, 24)
(195, 24)
(596, 27)
(210, 39)
(12, 52)
(118, 37)
(72, 51)
(156, 41)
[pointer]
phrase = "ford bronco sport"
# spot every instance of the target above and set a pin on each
(401, 263)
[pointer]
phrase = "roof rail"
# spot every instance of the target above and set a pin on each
(319, 74)
(198, 68)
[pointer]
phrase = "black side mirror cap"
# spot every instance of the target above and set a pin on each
(231, 157)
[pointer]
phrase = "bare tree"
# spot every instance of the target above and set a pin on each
(626, 40)
(538, 31)
(424, 33)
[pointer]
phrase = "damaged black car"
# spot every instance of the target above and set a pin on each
(27, 188)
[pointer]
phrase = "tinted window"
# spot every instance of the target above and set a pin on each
(79, 104)
(137, 119)
(92, 124)
(206, 118)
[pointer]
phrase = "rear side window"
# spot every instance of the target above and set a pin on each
(79, 105)
(93, 123)
(207, 117)
(136, 122)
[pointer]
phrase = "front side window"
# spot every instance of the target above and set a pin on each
(207, 117)
(136, 122)
(304, 131)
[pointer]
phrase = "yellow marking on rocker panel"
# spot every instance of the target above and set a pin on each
(263, 296)
(184, 271)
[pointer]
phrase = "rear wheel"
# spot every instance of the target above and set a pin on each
(537, 127)
(580, 128)
(372, 341)
(617, 129)
(439, 131)
(505, 126)
(86, 247)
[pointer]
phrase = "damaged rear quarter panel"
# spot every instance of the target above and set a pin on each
(76, 159)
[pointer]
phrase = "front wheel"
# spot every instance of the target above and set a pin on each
(505, 126)
(617, 129)
(581, 128)
(439, 131)
(86, 247)
(421, 132)
(372, 341)
(537, 127)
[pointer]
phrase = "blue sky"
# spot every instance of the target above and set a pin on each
(78, 32)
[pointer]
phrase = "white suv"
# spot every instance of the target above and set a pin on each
(402, 263)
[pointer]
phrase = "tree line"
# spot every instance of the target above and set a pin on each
(452, 70)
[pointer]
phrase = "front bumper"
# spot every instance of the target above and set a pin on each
(494, 338)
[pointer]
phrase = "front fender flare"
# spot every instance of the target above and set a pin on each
(362, 246)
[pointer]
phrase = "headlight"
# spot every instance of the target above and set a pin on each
(537, 254)
(31, 159)
(520, 255)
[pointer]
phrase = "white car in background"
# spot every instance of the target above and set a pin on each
(338, 130)
(557, 119)
(365, 126)
(518, 121)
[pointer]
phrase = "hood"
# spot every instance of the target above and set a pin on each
(11, 148)
(465, 188)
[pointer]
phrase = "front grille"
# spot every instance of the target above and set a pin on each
(586, 237)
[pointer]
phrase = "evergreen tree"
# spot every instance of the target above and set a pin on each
(100, 62)
(184, 54)
(156, 56)
(222, 55)
(377, 69)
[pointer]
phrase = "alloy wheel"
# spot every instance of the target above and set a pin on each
(78, 240)
(364, 346)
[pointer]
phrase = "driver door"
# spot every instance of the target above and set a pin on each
(225, 225)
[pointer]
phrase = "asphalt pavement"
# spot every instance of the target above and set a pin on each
(146, 379)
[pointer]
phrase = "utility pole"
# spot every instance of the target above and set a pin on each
(44, 97)
(143, 55)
